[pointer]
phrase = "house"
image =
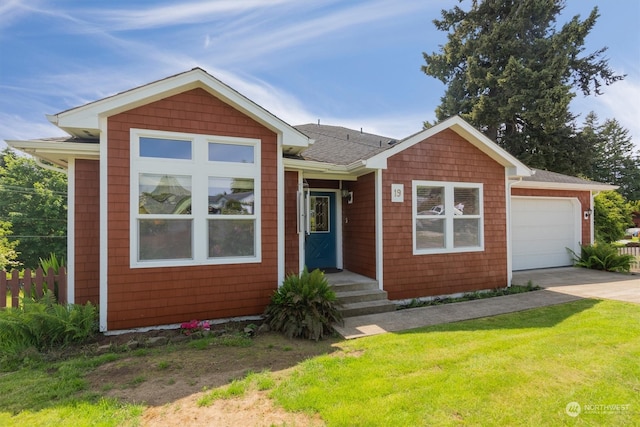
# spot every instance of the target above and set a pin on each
(188, 200)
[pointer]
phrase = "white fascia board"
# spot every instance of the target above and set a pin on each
(320, 170)
(57, 153)
(87, 116)
(596, 186)
(466, 131)
(76, 149)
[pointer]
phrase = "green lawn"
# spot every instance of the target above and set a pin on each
(515, 369)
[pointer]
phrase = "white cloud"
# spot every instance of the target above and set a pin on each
(15, 127)
(179, 13)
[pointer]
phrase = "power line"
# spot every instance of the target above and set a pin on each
(28, 190)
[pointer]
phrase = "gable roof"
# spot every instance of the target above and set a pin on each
(83, 122)
(514, 166)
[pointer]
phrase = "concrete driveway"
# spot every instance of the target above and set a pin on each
(561, 285)
(584, 283)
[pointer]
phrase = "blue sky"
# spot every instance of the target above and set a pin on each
(350, 63)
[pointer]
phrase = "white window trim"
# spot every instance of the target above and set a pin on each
(200, 169)
(448, 216)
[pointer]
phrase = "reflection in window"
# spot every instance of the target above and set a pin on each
(164, 239)
(231, 196)
(164, 194)
(231, 238)
(234, 153)
(165, 148)
(447, 217)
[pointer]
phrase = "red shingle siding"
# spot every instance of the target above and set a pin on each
(291, 245)
(87, 231)
(443, 157)
(584, 197)
(359, 227)
(155, 296)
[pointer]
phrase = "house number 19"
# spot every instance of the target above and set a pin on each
(397, 193)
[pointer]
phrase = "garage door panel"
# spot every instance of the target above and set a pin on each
(542, 230)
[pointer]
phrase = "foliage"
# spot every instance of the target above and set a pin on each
(612, 159)
(304, 306)
(612, 216)
(510, 72)
(602, 256)
(52, 262)
(8, 254)
(41, 324)
(34, 201)
(511, 290)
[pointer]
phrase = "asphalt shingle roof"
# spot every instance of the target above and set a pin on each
(342, 146)
(548, 176)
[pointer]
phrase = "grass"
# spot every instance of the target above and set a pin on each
(43, 394)
(262, 381)
(516, 369)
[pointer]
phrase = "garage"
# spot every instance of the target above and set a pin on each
(542, 228)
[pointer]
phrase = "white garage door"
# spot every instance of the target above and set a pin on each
(542, 229)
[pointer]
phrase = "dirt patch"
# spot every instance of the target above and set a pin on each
(170, 379)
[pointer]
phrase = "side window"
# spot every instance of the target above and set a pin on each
(448, 217)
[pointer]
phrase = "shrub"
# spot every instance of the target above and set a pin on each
(304, 306)
(42, 324)
(602, 257)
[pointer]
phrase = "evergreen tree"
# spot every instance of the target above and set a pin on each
(510, 72)
(34, 201)
(612, 158)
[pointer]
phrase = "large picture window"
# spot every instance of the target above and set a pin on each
(195, 199)
(447, 217)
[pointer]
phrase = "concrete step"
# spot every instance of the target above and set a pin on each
(367, 307)
(351, 297)
(342, 287)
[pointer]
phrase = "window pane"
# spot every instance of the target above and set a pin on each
(165, 148)
(319, 215)
(430, 200)
(231, 238)
(164, 194)
(430, 233)
(230, 153)
(466, 233)
(466, 201)
(164, 239)
(231, 196)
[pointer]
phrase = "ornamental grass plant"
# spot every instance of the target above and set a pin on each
(304, 306)
(602, 256)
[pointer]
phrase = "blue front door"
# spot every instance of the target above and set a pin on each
(320, 246)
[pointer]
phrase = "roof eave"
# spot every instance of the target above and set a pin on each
(84, 121)
(515, 168)
(58, 153)
(596, 186)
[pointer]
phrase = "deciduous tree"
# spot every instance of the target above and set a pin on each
(34, 201)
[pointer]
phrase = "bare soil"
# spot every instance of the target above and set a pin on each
(169, 379)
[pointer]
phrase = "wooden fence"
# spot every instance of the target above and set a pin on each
(32, 283)
(635, 251)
